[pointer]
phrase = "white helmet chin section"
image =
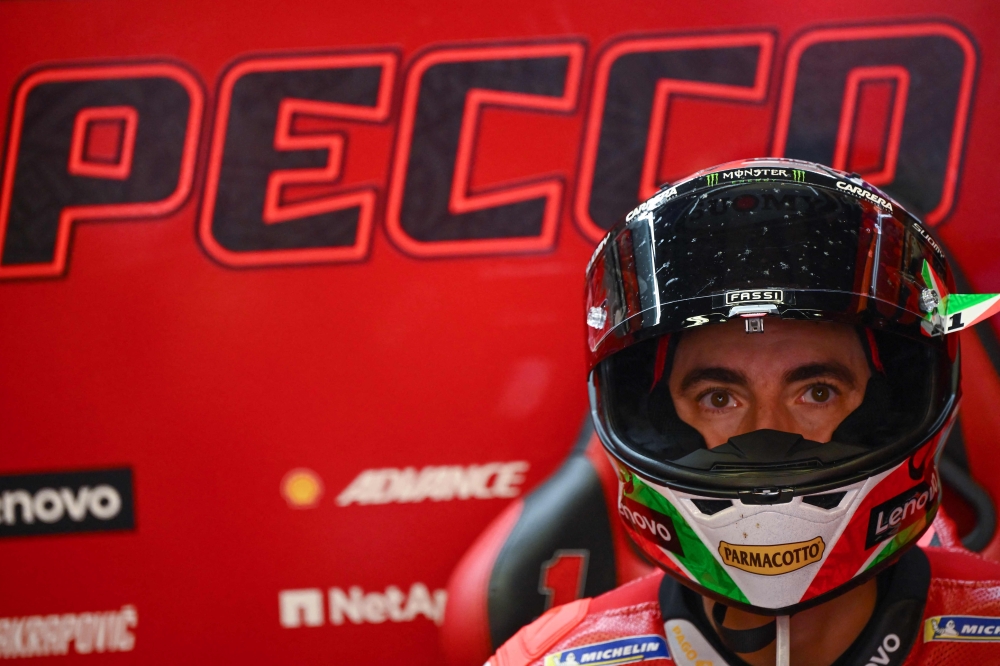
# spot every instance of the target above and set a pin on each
(772, 551)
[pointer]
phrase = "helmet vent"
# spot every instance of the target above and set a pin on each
(826, 501)
(710, 507)
(751, 467)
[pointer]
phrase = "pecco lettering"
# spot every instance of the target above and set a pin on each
(28, 245)
(772, 560)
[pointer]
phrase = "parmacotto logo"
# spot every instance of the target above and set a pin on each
(772, 560)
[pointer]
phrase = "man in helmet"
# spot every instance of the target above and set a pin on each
(772, 374)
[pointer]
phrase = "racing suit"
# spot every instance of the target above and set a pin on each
(938, 605)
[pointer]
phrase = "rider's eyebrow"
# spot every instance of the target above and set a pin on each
(833, 370)
(714, 374)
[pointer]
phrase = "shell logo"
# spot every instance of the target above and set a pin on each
(302, 488)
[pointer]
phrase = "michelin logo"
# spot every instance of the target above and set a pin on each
(962, 628)
(621, 651)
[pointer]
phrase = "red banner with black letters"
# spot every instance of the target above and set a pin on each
(291, 293)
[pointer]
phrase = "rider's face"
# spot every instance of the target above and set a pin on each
(799, 377)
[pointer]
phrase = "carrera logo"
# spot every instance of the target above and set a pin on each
(652, 524)
(862, 193)
(886, 519)
(92, 501)
(772, 560)
(755, 296)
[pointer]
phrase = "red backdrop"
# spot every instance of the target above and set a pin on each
(404, 293)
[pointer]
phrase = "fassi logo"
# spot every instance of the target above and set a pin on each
(755, 296)
(91, 501)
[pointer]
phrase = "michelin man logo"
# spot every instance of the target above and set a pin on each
(962, 629)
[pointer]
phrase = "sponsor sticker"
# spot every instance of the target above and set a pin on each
(750, 174)
(620, 651)
(862, 193)
(651, 524)
(65, 502)
(653, 202)
(55, 634)
(772, 560)
(746, 296)
(688, 647)
(306, 608)
(886, 519)
(961, 628)
(435, 483)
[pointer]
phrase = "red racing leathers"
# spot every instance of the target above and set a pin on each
(939, 605)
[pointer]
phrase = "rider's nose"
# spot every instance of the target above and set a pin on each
(768, 416)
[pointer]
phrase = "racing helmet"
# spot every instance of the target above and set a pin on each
(770, 521)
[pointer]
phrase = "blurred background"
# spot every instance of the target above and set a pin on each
(291, 293)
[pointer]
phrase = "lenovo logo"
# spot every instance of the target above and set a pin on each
(886, 519)
(91, 501)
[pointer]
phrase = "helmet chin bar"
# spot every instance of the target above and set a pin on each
(768, 451)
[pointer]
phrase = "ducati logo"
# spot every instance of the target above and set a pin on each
(772, 560)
